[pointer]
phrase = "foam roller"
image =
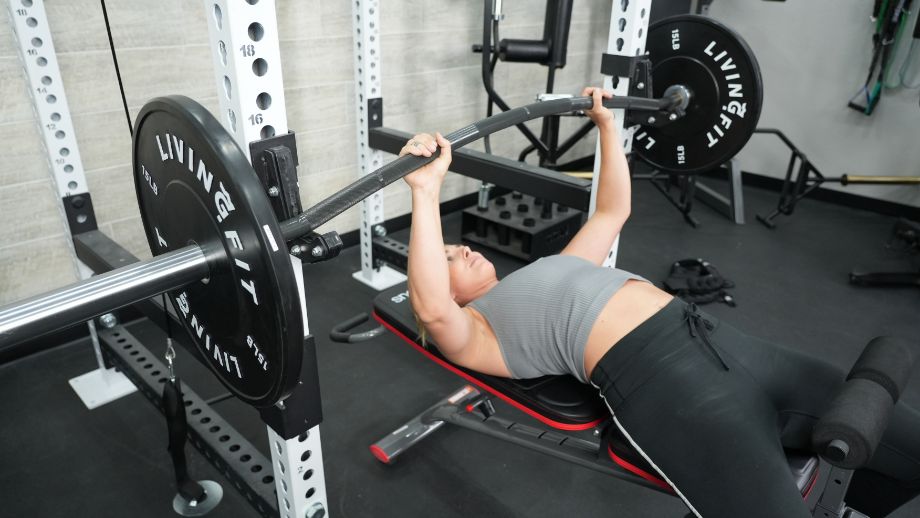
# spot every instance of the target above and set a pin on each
(886, 361)
(852, 427)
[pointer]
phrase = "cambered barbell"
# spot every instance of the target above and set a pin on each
(222, 255)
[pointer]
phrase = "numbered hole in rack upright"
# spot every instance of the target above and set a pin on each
(72, 185)
(68, 168)
(46, 80)
(37, 42)
(622, 24)
(55, 116)
(252, 2)
(267, 131)
(620, 43)
(256, 31)
(231, 118)
(64, 151)
(27, 3)
(264, 101)
(59, 134)
(259, 67)
(41, 61)
(218, 17)
(31, 22)
(51, 99)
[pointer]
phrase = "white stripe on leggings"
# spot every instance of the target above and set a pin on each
(646, 457)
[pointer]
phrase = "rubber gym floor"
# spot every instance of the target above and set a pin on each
(59, 460)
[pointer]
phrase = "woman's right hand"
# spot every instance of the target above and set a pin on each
(430, 176)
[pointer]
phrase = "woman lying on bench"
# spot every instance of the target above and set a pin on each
(710, 407)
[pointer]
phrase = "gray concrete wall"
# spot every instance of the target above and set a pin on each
(430, 82)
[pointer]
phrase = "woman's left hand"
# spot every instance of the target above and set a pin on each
(601, 116)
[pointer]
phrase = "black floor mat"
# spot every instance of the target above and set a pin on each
(59, 460)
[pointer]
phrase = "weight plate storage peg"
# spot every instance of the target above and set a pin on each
(722, 75)
(195, 186)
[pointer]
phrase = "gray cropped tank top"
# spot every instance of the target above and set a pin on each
(543, 313)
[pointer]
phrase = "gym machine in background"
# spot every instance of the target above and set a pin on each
(549, 51)
(802, 178)
(906, 234)
(655, 166)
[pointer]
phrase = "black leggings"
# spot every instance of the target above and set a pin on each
(712, 409)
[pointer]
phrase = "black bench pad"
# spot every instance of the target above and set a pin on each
(559, 401)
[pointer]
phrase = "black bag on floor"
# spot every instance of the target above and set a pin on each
(697, 280)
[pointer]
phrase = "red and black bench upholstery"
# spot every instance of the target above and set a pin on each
(561, 402)
(558, 401)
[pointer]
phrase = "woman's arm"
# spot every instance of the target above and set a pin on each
(429, 278)
(612, 207)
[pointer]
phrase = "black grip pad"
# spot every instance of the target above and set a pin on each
(524, 51)
(857, 416)
(886, 361)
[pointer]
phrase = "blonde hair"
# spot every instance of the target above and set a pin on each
(422, 332)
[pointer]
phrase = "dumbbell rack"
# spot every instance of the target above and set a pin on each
(521, 225)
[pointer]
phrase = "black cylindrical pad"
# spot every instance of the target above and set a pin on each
(858, 416)
(523, 51)
(886, 361)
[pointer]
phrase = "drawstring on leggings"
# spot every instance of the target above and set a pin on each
(699, 325)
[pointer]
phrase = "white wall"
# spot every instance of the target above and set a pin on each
(431, 82)
(814, 55)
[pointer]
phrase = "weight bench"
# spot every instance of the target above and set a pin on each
(581, 425)
(574, 424)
